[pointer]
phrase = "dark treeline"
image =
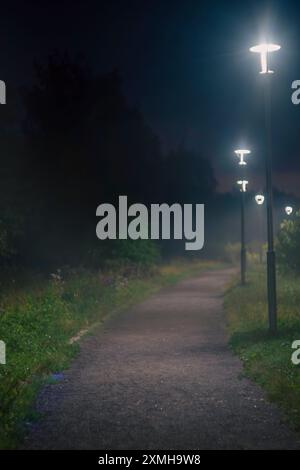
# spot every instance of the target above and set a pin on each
(71, 141)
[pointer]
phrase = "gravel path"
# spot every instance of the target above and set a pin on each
(161, 376)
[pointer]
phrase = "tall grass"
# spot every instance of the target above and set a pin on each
(267, 359)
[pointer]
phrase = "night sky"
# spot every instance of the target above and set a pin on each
(185, 64)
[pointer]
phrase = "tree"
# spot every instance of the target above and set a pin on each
(84, 145)
(288, 244)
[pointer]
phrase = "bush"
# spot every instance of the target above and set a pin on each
(141, 252)
(256, 252)
(288, 245)
(232, 253)
(118, 255)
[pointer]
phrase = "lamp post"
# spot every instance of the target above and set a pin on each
(241, 153)
(243, 183)
(264, 50)
(288, 210)
(243, 188)
(260, 199)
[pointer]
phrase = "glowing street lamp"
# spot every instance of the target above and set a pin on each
(243, 188)
(243, 184)
(264, 49)
(240, 153)
(288, 210)
(259, 199)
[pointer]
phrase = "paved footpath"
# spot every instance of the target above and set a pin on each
(161, 376)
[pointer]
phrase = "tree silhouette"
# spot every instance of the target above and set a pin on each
(84, 145)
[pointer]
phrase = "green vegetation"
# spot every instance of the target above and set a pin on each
(39, 316)
(267, 359)
(288, 245)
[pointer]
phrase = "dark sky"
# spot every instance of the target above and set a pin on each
(185, 63)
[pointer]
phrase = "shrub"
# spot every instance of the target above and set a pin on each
(232, 252)
(256, 252)
(141, 252)
(288, 245)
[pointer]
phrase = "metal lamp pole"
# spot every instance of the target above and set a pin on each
(264, 50)
(259, 199)
(243, 184)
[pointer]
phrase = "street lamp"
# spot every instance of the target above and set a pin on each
(243, 188)
(240, 153)
(264, 50)
(288, 210)
(243, 184)
(260, 199)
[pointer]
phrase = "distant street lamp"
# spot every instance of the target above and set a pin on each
(260, 199)
(288, 210)
(264, 50)
(243, 188)
(240, 153)
(243, 184)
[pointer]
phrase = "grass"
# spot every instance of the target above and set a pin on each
(267, 359)
(39, 317)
